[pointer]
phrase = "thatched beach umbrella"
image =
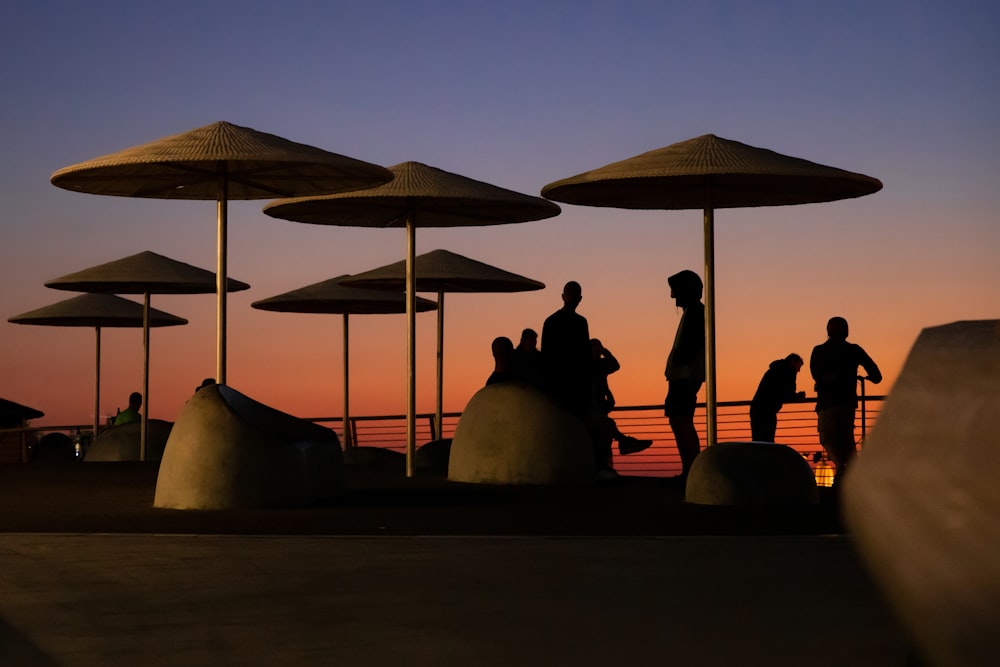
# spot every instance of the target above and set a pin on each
(332, 296)
(220, 162)
(418, 196)
(144, 273)
(444, 271)
(98, 311)
(709, 172)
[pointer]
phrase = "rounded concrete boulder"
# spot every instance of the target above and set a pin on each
(227, 451)
(122, 443)
(512, 433)
(750, 473)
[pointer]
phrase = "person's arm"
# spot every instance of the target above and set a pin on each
(874, 374)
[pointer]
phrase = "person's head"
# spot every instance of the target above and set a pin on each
(529, 340)
(685, 288)
(795, 361)
(503, 351)
(135, 400)
(572, 295)
(836, 328)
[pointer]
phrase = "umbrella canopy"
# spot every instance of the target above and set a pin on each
(144, 273)
(709, 172)
(97, 310)
(332, 296)
(220, 162)
(14, 414)
(418, 196)
(444, 271)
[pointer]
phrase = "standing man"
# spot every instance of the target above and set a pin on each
(834, 366)
(776, 388)
(685, 371)
(566, 355)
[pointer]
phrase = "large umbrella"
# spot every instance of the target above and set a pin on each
(418, 196)
(332, 296)
(98, 310)
(709, 172)
(15, 413)
(220, 162)
(144, 273)
(444, 271)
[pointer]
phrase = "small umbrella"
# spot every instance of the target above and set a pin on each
(709, 172)
(15, 413)
(144, 273)
(332, 296)
(418, 196)
(220, 162)
(444, 271)
(98, 310)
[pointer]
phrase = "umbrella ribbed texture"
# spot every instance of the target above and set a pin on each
(96, 310)
(710, 172)
(256, 165)
(423, 195)
(332, 296)
(445, 271)
(141, 273)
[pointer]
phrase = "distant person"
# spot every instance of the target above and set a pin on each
(503, 361)
(603, 401)
(131, 413)
(685, 370)
(528, 358)
(566, 354)
(776, 388)
(834, 367)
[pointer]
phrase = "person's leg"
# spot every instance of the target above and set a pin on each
(686, 437)
(836, 434)
(763, 425)
(679, 406)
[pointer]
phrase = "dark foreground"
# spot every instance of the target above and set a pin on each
(424, 572)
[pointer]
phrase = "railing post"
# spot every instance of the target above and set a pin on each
(864, 411)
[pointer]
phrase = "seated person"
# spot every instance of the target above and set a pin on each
(131, 413)
(503, 361)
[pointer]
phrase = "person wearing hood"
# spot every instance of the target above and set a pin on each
(776, 388)
(685, 371)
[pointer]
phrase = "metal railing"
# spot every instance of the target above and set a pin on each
(796, 428)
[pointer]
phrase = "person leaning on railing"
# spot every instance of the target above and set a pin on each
(834, 367)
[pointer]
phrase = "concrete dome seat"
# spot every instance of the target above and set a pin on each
(228, 451)
(512, 433)
(750, 473)
(121, 443)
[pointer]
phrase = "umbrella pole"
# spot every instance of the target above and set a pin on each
(220, 275)
(439, 419)
(347, 390)
(411, 344)
(145, 378)
(97, 385)
(710, 398)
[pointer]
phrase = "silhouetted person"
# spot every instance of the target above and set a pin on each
(528, 358)
(566, 354)
(776, 388)
(834, 366)
(207, 382)
(603, 402)
(685, 371)
(503, 361)
(131, 413)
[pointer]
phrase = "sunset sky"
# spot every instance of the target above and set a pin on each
(517, 94)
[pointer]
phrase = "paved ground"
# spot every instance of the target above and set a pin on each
(422, 572)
